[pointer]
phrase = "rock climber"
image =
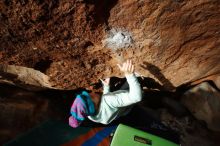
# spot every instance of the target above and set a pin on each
(111, 105)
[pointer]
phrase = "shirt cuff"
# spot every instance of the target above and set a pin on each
(130, 75)
(106, 89)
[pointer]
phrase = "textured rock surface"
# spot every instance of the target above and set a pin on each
(177, 39)
(204, 103)
(27, 78)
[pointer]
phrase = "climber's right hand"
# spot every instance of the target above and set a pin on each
(127, 67)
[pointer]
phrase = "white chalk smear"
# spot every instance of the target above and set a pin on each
(117, 39)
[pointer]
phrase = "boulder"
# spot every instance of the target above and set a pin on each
(203, 101)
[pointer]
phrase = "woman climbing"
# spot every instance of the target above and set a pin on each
(111, 105)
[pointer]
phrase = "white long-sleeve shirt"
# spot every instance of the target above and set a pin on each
(118, 103)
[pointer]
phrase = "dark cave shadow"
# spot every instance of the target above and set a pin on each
(167, 96)
(154, 70)
(43, 65)
(183, 88)
(44, 105)
(61, 100)
(101, 12)
(117, 83)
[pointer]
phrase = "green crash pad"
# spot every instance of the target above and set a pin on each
(128, 136)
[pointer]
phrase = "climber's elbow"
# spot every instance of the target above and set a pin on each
(136, 98)
(139, 98)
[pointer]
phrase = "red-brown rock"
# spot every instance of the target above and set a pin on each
(174, 41)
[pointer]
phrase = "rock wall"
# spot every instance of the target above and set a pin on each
(203, 101)
(174, 41)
